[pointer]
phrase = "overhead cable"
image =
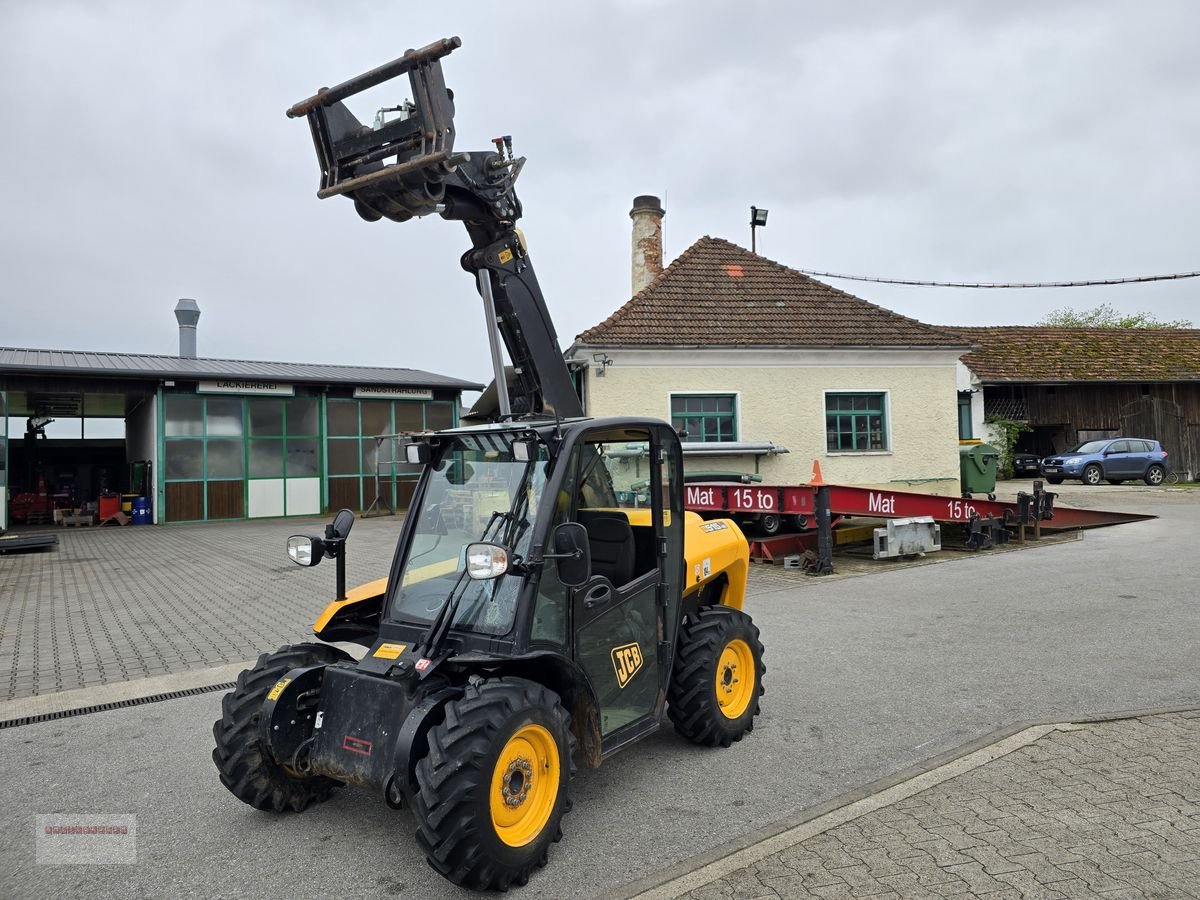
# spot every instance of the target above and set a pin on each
(994, 285)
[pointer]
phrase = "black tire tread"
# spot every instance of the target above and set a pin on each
(245, 766)
(690, 698)
(457, 767)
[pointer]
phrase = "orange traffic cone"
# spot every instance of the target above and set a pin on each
(816, 480)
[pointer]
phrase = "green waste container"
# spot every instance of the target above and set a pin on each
(977, 468)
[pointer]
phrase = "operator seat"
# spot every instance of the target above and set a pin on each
(614, 554)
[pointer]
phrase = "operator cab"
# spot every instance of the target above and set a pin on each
(539, 499)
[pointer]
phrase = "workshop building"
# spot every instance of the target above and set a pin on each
(186, 439)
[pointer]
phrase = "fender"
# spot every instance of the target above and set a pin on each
(356, 617)
(412, 743)
(712, 549)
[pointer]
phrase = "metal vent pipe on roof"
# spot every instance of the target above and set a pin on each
(187, 314)
(647, 215)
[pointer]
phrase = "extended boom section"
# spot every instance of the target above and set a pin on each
(404, 166)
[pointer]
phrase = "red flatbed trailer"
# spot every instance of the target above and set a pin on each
(878, 503)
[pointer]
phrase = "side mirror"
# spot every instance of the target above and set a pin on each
(418, 453)
(339, 530)
(574, 554)
(305, 549)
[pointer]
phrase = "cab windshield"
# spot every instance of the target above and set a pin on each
(477, 491)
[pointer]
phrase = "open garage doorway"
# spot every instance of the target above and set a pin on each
(78, 458)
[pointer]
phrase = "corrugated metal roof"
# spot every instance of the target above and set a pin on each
(145, 365)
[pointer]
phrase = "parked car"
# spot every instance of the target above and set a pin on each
(1113, 460)
(1026, 464)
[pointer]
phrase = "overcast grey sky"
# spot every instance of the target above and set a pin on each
(147, 157)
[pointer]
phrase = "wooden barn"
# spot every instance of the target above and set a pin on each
(1074, 384)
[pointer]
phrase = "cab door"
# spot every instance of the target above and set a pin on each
(617, 616)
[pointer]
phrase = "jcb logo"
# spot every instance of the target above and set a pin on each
(627, 660)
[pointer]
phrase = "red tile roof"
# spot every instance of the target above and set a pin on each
(1042, 354)
(717, 294)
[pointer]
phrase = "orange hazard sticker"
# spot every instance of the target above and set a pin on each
(389, 651)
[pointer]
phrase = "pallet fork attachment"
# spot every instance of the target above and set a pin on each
(404, 166)
(419, 140)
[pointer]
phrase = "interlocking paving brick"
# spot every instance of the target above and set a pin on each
(113, 604)
(1119, 820)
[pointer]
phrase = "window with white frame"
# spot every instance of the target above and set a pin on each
(856, 422)
(709, 418)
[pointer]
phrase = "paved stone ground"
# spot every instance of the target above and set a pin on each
(118, 604)
(115, 604)
(866, 677)
(1111, 810)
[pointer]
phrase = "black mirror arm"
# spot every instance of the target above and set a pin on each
(335, 549)
(577, 553)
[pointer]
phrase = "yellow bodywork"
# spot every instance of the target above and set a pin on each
(711, 549)
(368, 591)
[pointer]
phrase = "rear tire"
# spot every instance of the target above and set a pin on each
(717, 679)
(493, 789)
(1092, 474)
(1155, 475)
(246, 766)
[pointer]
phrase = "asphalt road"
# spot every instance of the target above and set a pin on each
(866, 676)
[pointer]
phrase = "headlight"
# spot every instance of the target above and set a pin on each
(486, 561)
(305, 550)
(1073, 461)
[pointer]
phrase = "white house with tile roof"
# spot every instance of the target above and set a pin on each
(742, 353)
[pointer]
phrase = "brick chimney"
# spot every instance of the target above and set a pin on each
(647, 215)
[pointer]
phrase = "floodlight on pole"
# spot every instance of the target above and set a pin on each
(758, 219)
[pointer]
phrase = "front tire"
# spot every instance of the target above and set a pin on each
(1054, 480)
(717, 679)
(1092, 474)
(493, 789)
(1155, 475)
(246, 766)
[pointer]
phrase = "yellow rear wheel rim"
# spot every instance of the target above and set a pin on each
(736, 679)
(525, 785)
